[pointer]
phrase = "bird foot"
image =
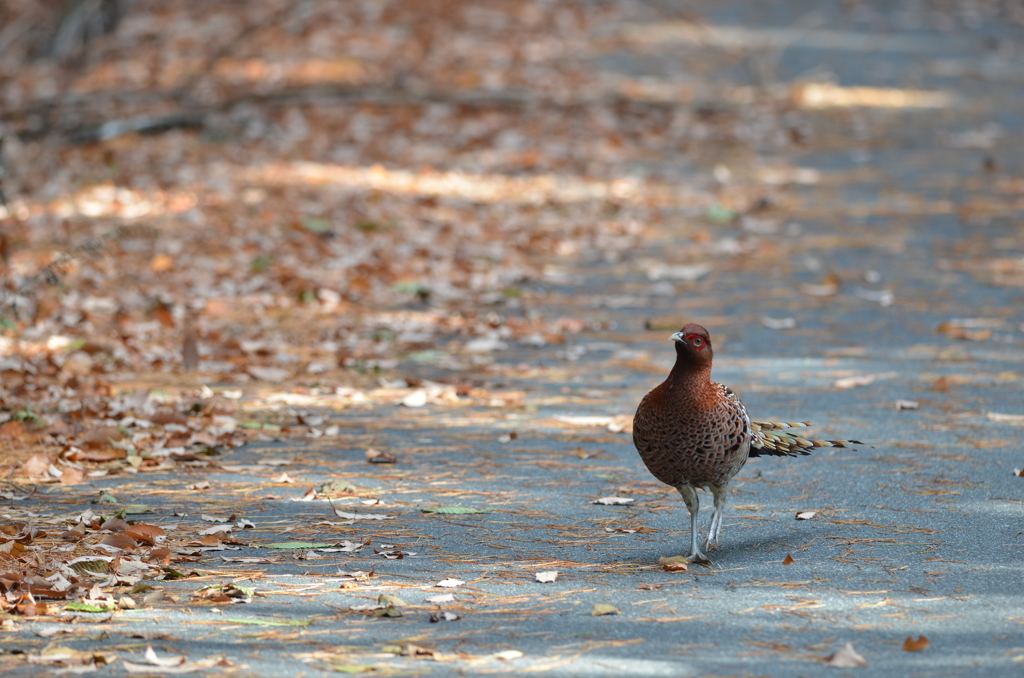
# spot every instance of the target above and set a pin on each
(697, 557)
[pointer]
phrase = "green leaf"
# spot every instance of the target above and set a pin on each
(721, 214)
(262, 263)
(391, 599)
(260, 426)
(85, 607)
(92, 566)
(170, 574)
(268, 622)
(316, 224)
(453, 510)
(336, 486)
(135, 508)
(298, 545)
(388, 611)
(427, 356)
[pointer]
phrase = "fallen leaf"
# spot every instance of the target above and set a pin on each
(298, 545)
(827, 288)
(911, 645)
(845, 658)
(442, 598)
(71, 476)
(349, 515)
(853, 382)
(118, 542)
(788, 560)
(13, 429)
(613, 501)
(153, 659)
(417, 398)
(1012, 419)
(450, 582)
(261, 373)
(161, 263)
(36, 466)
(453, 510)
(336, 486)
(268, 622)
(907, 405)
(674, 563)
(964, 329)
(378, 457)
(147, 534)
(391, 599)
(805, 515)
(547, 577)
(778, 323)
(603, 609)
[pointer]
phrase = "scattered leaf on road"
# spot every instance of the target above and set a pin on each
(603, 609)
(674, 563)
(845, 658)
(911, 645)
(450, 582)
(613, 501)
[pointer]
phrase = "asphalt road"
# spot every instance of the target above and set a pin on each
(918, 534)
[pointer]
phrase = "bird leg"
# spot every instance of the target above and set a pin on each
(721, 494)
(693, 506)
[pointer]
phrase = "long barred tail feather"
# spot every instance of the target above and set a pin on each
(782, 443)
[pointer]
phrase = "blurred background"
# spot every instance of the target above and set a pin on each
(322, 192)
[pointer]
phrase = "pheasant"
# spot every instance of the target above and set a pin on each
(692, 433)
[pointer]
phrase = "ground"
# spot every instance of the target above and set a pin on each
(324, 323)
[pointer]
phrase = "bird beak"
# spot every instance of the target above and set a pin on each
(678, 336)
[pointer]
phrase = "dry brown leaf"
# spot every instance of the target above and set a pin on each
(147, 534)
(160, 557)
(115, 525)
(674, 563)
(601, 609)
(120, 542)
(108, 454)
(36, 466)
(788, 560)
(378, 457)
(161, 263)
(99, 437)
(13, 430)
(911, 645)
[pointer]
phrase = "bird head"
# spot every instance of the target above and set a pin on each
(693, 345)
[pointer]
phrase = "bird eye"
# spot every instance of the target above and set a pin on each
(696, 340)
